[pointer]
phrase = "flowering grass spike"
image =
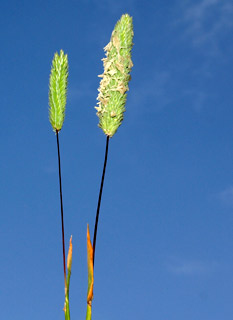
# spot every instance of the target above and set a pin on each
(58, 90)
(114, 83)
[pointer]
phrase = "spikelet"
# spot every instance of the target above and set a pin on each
(58, 90)
(114, 83)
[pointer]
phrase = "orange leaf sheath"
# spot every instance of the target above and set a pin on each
(69, 258)
(90, 274)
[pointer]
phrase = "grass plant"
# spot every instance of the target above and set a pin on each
(110, 111)
(57, 101)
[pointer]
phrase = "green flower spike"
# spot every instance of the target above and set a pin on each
(58, 90)
(114, 83)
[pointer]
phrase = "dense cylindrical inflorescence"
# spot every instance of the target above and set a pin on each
(58, 90)
(114, 83)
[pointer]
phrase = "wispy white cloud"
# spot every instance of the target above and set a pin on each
(226, 196)
(191, 267)
(160, 91)
(197, 11)
(203, 25)
(207, 21)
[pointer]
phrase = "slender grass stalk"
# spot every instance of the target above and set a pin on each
(90, 247)
(62, 215)
(99, 199)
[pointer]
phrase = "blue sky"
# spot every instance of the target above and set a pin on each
(164, 247)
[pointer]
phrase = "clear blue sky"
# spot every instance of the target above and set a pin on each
(164, 247)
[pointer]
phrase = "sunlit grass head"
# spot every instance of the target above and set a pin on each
(58, 90)
(114, 83)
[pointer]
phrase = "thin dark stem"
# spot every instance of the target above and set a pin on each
(100, 196)
(62, 219)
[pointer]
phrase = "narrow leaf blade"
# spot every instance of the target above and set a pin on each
(90, 274)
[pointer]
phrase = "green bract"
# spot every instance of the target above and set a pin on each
(58, 90)
(114, 83)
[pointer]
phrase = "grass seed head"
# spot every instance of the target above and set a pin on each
(58, 90)
(114, 83)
